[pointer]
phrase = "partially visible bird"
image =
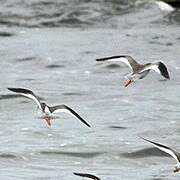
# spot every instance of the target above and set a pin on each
(163, 6)
(167, 150)
(87, 176)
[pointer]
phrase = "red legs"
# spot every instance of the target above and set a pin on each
(128, 83)
(48, 120)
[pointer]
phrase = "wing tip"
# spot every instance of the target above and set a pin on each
(89, 125)
(87, 175)
(163, 69)
(75, 173)
(143, 138)
(12, 89)
(100, 59)
(146, 139)
(20, 90)
(112, 57)
(9, 88)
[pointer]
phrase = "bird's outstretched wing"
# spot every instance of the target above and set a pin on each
(158, 67)
(124, 58)
(66, 109)
(87, 176)
(165, 149)
(27, 93)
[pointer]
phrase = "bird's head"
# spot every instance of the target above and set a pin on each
(177, 167)
(43, 105)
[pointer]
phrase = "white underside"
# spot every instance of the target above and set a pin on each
(122, 59)
(153, 67)
(64, 110)
(30, 96)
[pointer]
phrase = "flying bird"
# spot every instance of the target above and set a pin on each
(87, 176)
(48, 110)
(139, 71)
(167, 150)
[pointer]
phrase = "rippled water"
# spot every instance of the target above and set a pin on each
(51, 47)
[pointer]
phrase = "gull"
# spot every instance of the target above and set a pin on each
(87, 176)
(139, 71)
(47, 110)
(167, 150)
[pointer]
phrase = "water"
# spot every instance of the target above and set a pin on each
(51, 47)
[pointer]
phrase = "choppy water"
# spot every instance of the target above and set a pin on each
(51, 47)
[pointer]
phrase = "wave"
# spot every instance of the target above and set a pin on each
(74, 154)
(147, 152)
(73, 13)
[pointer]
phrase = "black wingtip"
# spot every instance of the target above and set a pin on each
(157, 144)
(144, 138)
(87, 176)
(77, 115)
(13, 89)
(88, 125)
(111, 57)
(102, 59)
(99, 60)
(21, 90)
(149, 141)
(163, 70)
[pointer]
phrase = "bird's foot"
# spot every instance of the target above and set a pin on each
(48, 120)
(128, 83)
(176, 170)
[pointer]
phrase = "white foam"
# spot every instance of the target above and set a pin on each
(49, 135)
(77, 163)
(24, 129)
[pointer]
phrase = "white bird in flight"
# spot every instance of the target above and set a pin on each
(48, 110)
(139, 71)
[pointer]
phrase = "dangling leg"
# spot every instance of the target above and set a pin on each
(128, 83)
(48, 120)
(130, 79)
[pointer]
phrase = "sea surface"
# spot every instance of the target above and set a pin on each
(50, 47)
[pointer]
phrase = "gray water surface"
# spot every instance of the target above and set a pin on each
(50, 47)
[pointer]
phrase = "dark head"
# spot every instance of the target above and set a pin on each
(163, 70)
(43, 105)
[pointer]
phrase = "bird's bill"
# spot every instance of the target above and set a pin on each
(128, 83)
